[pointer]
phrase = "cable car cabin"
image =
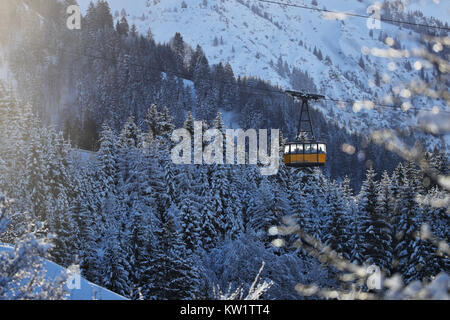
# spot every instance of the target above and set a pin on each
(305, 154)
(306, 151)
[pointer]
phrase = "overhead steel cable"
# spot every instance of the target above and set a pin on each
(353, 14)
(274, 91)
(187, 77)
(377, 104)
(282, 92)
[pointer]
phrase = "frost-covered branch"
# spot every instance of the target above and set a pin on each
(22, 276)
(256, 290)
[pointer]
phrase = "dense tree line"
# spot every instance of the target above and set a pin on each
(106, 72)
(144, 227)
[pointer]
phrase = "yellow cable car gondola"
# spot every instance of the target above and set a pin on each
(305, 151)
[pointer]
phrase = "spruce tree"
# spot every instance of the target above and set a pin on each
(375, 229)
(191, 224)
(406, 240)
(338, 235)
(172, 274)
(108, 161)
(115, 265)
(152, 120)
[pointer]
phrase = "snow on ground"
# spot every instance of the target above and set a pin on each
(431, 8)
(275, 33)
(87, 290)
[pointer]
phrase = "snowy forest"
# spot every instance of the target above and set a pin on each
(86, 176)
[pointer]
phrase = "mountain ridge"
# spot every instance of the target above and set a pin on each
(268, 41)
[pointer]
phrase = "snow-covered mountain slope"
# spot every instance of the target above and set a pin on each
(86, 291)
(431, 8)
(253, 36)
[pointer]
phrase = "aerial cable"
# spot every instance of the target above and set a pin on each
(353, 14)
(189, 78)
